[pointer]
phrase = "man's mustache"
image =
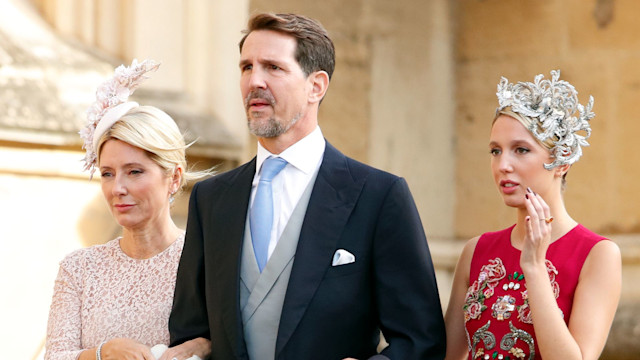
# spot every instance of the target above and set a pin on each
(259, 94)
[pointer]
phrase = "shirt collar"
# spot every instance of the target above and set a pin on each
(304, 155)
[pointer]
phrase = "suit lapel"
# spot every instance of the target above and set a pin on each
(334, 195)
(229, 218)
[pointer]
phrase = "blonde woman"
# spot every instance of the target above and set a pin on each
(113, 301)
(545, 287)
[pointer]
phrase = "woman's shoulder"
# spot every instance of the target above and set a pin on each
(580, 240)
(471, 244)
(601, 248)
(88, 255)
(506, 232)
(175, 249)
(602, 266)
(585, 247)
(491, 239)
(489, 245)
(583, 232)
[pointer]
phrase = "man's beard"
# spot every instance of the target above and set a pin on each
(270, 127)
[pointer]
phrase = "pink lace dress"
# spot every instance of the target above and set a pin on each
(101, 293)
(496, 311)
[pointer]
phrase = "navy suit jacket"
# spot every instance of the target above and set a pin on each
(328, 312)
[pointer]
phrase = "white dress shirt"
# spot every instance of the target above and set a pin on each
(303, 162)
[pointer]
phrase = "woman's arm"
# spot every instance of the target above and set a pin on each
(594, 305)
(121, 349)
(457, 347)
(595, 299)
(63, 328)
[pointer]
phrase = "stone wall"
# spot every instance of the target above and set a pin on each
(518, 39)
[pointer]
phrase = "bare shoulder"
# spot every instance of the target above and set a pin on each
(472, 242)
(470, 247)
(464, 261)
(607, 247)
(604, 253)
(603, 265)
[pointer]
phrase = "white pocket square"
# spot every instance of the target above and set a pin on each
(343, 257)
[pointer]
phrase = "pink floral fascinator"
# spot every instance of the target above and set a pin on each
(110, 105)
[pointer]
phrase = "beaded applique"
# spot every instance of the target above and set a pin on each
(508, 343)
(488, 339)
(515, 284)
(483, 288)
(502, 308)
(509, 340)
(483, 342)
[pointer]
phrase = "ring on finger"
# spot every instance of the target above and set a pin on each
(548, 220)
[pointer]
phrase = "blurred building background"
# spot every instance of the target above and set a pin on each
(413, 93)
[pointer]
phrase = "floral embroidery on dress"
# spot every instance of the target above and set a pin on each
(482, 343)
(483, 288)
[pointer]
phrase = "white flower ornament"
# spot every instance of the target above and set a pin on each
(111, 104)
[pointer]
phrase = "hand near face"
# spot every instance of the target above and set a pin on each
(537, 231)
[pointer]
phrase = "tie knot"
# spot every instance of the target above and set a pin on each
(271, 167)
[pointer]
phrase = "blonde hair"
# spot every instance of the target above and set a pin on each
(527, 123)
(155, 132)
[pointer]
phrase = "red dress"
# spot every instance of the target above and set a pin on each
(496, 311)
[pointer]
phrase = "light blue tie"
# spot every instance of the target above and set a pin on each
(261, 217)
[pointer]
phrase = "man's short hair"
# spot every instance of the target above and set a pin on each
(314, 50)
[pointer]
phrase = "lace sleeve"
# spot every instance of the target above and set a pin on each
(64, 327)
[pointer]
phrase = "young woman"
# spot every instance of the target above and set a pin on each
(546, 287)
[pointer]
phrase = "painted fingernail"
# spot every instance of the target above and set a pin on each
(526, 196)
(529, 190)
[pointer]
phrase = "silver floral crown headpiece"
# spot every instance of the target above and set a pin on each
(111, 104)
(551, 105)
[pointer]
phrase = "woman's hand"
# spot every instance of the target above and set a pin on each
(197, 346)
(537, 231)
(125, 349)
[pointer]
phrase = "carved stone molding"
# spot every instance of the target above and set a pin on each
(47, 83)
